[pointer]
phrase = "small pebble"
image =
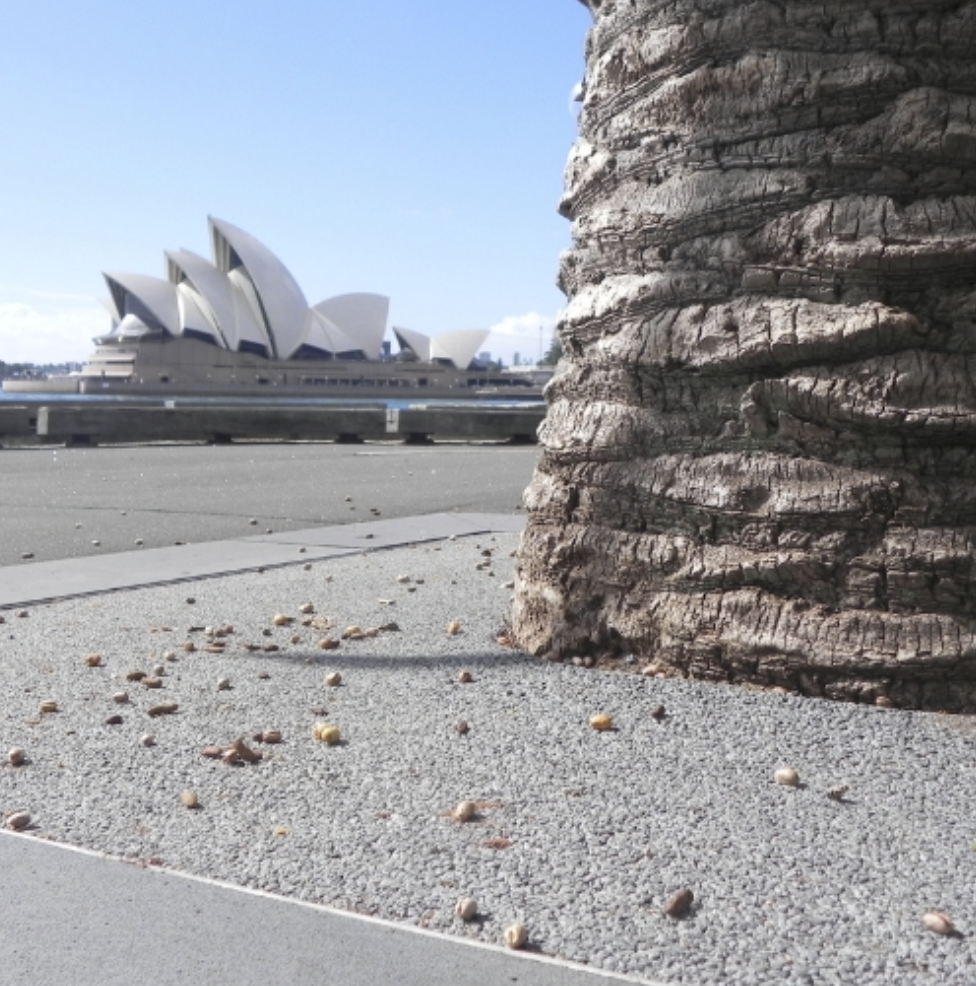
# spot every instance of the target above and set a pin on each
(189, 799)
(937, 921)
(334, 679)
(307, 566)
(464, 811)
(190, 600)
(679, 903)
(27, 555)
(138, 542)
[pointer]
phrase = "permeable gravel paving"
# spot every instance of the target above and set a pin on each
(582, 835)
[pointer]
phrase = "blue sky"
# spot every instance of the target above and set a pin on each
(413, 149)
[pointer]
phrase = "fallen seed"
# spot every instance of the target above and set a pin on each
(212, 752)
(307, 566)
(884, 702)
(453, 629)
(22, 614)
(325, 733)
(351, 631)
(516, 936)
(189, 799)
(601, 722)
(135, 675)
(465, 678)
(270, 648)
(120, 698)
(159, 670)
(461, 728)
(138, 542)
(27, 555)
(466, 908)
(837, 793)
(787, 776)
(189, 647)
(190, 600)
(115, 720)
(147, 740)
(657, 712)
(306, 608)
(271, 736)
(937, 921)
(164, 709)
(244, 751)
(280, 620)
(223, 685)
(253, 521)
(679, 903)
(93, 660)
(334, 679)
(464, 811)
(16, 757)
(49, 706)
(152, 682)
(18, 820)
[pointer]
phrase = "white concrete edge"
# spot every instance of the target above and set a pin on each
(338, 912)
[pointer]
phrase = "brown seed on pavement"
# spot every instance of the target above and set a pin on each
(18, 820)
(461, 728)
(49, 706)
(334, 679)
(120, 698)
(601, 722)
(190, 799)
(465, 678)
(163, 709)
(657, 712)
(884, 702)
(464, 811)
(135, 675)
(115, 720)
(679, 903)
(93, 660)
(787, 776)
(223, 685)
(516, 936)
(152, 682)
(837, 793)
(453, 629)
(244, 751)
(189, 647)
(306, 608)
(212, 752)
(16, 757)
(466, 908)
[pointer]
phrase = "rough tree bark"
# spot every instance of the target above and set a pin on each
(759, 460)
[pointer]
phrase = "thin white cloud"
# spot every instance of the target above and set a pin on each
(57, 335)
(529, 335)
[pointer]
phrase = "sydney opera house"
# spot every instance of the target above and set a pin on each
(240, 325)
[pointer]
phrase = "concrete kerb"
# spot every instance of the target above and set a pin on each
(45, 582)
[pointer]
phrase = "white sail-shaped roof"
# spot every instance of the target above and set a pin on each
(276, 298)
(459, 347)
(323, 336)
(151, 299)
(195, 319)
(416, 342)
(212, 287)
(361, 317)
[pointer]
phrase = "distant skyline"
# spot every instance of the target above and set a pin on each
(415, 151)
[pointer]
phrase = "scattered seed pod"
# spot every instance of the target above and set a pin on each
(837, 793)
(390, 627)
(253, 522)
(937, 921)
(152, 682)
(115, 720)
(508, 585)
(212, 752)
(306, 608)
(787, 776)
(352, 631)
(658, 712)
(244, 751)
(334, 679)
(159, 670)
(135, 675)
(280, 620)
(120, 698)
(302, 550)
(271, 736)
(138, 542)
(465, 678)
(453, 629)
(263, 676)
(884, 702)
(461, 728)
(96, 544)
(464, 811)
(325, 733)
(49, 706)
(601, 722)
(295, 638)
(307, 566)
(22, 614)
(466, 908)
(164, 709)
(403, 579)
(649, 670)
(190, 600)
(93, 661)
(16, 757)
(679, 903)
(189, 647)
(190, 799)
(147, 739)
(18, 820)
(223, 685)
(328, 643)
(270, 648)
(516, 936)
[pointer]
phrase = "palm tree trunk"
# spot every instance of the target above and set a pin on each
(759, 460)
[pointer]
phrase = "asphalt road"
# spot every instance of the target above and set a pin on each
(194, 493)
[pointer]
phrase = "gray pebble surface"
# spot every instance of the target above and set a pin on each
(581, 835)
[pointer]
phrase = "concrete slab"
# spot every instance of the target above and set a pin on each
(86, 920)
(400, 531)
(40, 582)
